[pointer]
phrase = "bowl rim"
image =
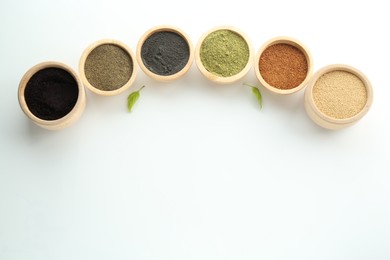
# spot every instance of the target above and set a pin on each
(85, 55)
(293, 42)
(216, 78)
(165, 28)
(339, 67)
(51, 124)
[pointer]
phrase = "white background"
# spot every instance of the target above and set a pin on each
(197, 170)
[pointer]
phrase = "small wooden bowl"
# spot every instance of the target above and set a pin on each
(60, 123)
(216, 78)
(164, 28)
(295, 43)
(84, 57)
(324, 120)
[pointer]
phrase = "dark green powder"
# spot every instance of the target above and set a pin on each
(224, 53)
(108, 67)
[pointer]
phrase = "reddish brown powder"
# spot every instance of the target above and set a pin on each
(283, 66)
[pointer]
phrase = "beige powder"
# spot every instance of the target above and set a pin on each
(339, 94)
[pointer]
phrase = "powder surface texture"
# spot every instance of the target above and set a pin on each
(51, 93)
(224, 53)
(283, 66)
(165, 53)
(108, 67)
(339, 94)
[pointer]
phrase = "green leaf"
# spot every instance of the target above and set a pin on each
(257, 94)
(259, 98)
(132, 98)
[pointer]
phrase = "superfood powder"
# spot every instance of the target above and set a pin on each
(224, 53)
(165, 53)
(108, 67)
(339, 94)
(51, 93)
(283, 66)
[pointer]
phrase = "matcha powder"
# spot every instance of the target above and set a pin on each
(108, 67)
(224, 53)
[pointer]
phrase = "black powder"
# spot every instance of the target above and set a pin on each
(165, 53)
(51, 93)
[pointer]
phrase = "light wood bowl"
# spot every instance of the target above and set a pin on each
(326, 121)
(165, 28)
(68, 119)
(84, 57)
(216, 78)
(292, 42)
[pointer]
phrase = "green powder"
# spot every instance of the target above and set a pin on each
(108, 67)
(224, 53)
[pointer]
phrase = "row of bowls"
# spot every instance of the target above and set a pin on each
(314, 113)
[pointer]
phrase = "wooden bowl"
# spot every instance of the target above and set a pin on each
(217, 78)
(154, 75)
(295, 43)
(64, 121)
(88, 51)
(327, 121)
